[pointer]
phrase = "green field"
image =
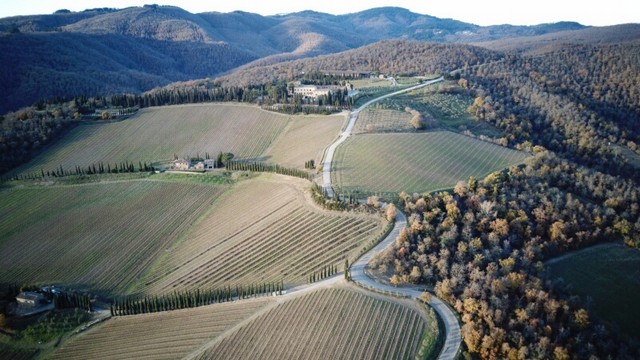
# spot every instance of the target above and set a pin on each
(449, 108)
(328, 324)
(609, 275)
(156, 134)
(98, 236)
(422, 162)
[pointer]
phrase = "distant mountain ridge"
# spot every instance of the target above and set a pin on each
(105, 51)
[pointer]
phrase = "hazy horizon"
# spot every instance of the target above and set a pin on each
(490, 12)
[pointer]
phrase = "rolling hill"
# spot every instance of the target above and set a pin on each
(109, 51)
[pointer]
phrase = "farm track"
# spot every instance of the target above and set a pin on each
(453, 337)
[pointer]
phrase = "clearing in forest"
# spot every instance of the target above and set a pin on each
(329, 324)
(420, 162)
(263, 230)
(164, 335)
(99, 236)
(608, 274)
(159, 133)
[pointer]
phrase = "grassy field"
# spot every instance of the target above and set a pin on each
(327, 324)
(166, 335)
(263, 230)
(100, 236)
(448, 108)
(304, 139)
(370, 82)
(415, 162)
(609, 275)
(382, 120)
(156, 134)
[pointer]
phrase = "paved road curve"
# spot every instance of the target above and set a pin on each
(451, 325)
(328, 159)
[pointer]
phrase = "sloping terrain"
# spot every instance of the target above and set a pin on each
(165, 335)
(95, 236)
(416, 162)
(263, 230)
(327, 324)
(109, 51)
(159, 134)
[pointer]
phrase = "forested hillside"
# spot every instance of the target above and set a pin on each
(110, 51)
(404, 57)
(580, 101)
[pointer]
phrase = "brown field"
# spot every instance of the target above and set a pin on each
(166, 335)
(382, 120)
(263, 230)
(327, 324)
(97, 236)
(305, 139)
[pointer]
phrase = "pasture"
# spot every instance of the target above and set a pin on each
(382, 120)
(263, 230)
(419, 162)
(98, 236)
(165, 335)
(328, 324)
(608, 274)
(304, 139)
(156, 134)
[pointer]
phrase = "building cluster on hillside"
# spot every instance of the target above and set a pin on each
(185, 165)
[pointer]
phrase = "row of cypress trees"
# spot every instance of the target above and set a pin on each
(190, 299)
(66, 300)
(100, 168)
(263, 167)
(327, 270)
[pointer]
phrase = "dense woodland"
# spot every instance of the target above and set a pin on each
(388, 57)
(482, 248)
(580, 101)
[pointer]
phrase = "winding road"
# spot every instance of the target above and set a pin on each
(353, 117)
(453, 336)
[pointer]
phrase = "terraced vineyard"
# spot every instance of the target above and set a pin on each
(327, 324)
(391, 163)
(101, 236)
(156, 134)
(166, 335)
(382, 120)
(264, 230)
(304, 140)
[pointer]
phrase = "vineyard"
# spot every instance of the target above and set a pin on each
(391, 163)
(304, 140)
(327, 324)
(382, 120)
(99, 236)
(156, 134)
(165, 335)
(263, 230)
